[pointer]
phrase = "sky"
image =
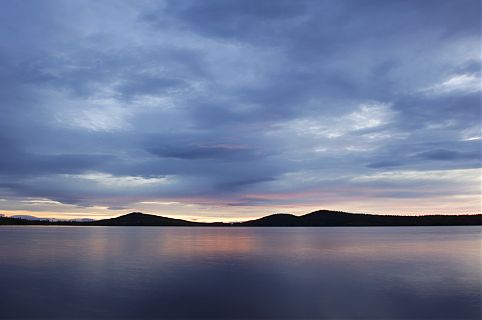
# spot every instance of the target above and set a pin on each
(234, 109)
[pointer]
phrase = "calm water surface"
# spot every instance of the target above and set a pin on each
(159, 272)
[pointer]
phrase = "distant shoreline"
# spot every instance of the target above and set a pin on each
(321, 218)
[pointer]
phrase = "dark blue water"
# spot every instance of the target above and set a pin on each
(297, 273)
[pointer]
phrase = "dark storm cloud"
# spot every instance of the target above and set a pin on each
(429, 156)
(202, 152)
(148, 85)
(447, 155)
(230, 19)
(384, 164)
(21, 163)
(111, 103)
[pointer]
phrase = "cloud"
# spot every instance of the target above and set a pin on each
(215, 151)
(447, 155)
(384, 164)
(463, 83)
(229, 104)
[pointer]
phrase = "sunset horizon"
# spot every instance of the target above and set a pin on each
(228, 216)
(230, 111)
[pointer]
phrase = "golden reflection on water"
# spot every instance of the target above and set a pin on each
(213, 242)
(103, 243)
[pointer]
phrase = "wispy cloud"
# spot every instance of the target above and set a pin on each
(462, 83)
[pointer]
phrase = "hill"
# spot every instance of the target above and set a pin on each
(321, 218)
(142, 219)
(326, 218)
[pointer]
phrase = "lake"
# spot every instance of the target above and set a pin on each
(249, 273)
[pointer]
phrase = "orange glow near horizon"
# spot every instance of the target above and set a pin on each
(206, 210)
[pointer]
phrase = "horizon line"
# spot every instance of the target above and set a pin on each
(19, 216)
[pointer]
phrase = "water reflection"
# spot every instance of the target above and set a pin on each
(116, 272)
